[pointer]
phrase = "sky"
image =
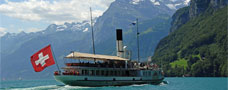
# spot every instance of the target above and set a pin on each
(36, 15)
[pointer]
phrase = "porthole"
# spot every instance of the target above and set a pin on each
(86, 79)
(114, 79)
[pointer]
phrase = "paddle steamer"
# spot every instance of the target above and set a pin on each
(104, 70)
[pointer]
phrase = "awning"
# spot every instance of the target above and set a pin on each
(87, 56)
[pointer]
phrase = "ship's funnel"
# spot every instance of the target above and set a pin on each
(119, 43)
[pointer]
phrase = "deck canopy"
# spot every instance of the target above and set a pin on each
(87, 56)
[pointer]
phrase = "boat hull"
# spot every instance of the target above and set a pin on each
(96, 81)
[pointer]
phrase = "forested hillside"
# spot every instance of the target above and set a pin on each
(198, 46)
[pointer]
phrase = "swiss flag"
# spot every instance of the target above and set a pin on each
(42, 59)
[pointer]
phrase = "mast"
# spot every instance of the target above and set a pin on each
(55, 59)
(92, 30)
(138, 39)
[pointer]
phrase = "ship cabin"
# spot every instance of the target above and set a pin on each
(104, 65)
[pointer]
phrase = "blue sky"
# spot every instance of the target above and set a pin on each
(36, 15)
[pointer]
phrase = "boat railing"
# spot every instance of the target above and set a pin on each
(104, 65)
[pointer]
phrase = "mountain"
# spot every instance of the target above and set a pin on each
(183, 15)
(154, 23)
(16, 49)
(197, 43)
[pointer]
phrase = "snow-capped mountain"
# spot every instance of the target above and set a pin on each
(78, 26)
(172, 4)
(83, 26)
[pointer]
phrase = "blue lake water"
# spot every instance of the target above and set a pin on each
(173, 84)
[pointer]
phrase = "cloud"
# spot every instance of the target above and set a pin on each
(2, 31)
(54, 11)
(33, 29)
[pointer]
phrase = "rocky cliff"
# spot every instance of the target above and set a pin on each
(196, 7)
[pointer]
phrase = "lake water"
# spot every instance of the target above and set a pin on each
(173, 84)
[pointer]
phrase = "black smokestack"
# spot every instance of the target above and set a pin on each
(119, 34)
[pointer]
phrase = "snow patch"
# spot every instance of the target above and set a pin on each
(171, 6)
(155, 2)
(186, 2)
(178, 4)
(2, 33)
(135, 2)
(173, 0)
(61, 27)
(85, 30)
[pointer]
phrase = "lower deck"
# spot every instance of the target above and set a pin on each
(106, 81)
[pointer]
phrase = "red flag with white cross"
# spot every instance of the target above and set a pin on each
(42, 59)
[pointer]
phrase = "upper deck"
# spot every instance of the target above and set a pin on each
(87, 56)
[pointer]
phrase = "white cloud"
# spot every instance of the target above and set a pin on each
(58, 11)
(2, 31)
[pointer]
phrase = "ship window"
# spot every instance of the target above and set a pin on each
(115, 73)
(102, 72)
(123, 73)
(83, 72)
(149, 73)
(118, 74)
(86, 79)
(127, 73)
(86, 72)
(93, 72)
(114, 79)
(145, 73)
(111, 73)
(106, 74)
(97, 72)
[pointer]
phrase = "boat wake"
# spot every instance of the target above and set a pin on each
(51, 87)
(138, 85)
(67, 87)
(164, 83)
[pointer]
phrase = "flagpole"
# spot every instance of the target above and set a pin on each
(92, 29)
(137, 39)
(55, 59)
(91, 18)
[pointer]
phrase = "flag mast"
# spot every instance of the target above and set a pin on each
(91, 18)
(138, 39)
(92, 29)
(55, 59)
